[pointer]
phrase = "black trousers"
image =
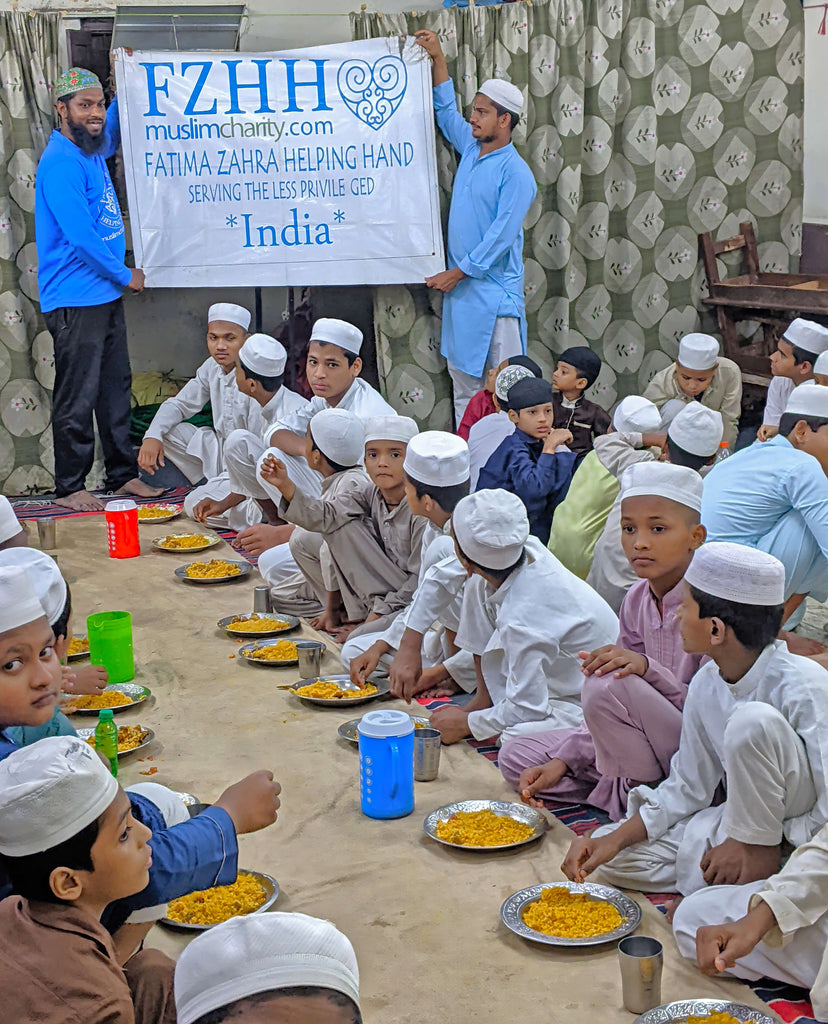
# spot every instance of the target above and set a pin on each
(92, 376)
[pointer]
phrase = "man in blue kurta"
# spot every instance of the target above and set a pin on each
(774, 496)
(484, 316)
(81, 278)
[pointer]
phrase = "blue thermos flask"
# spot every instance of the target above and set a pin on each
(386, 764)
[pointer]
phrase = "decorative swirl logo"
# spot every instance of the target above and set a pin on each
(373, 93)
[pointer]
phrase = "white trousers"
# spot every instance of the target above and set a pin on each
(306, 479)
(506, 341)
(174, 811)
(196, 451)
(238, 518)
(798, 962)
(242, 451)
(277, 564)
(768, 781)
(435, 651)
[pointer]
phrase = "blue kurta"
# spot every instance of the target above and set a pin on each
(538, 478)
(773, 497)
(490, 198)
(196, 854)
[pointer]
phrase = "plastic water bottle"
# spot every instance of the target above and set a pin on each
(386, 764)
(122, 529)
(723, 453)
(106, 738)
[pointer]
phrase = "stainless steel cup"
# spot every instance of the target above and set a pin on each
(311, 653)
(47, 534)
(641, 959)
(261, 601)
(426, 754)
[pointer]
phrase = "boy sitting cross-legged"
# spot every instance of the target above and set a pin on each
(755, 719)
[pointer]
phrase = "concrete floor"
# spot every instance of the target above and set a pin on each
(424, 919)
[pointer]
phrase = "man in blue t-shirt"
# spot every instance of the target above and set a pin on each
(82, 276)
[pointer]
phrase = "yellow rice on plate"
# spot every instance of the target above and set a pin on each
(107, 699)
(213, 569)
(184, 540)
(254, 624)
(324, 690)
(78, 645)
(129, 737)
(719, 1017)
(150, 512)
(570, 915)
(212, 906)
(482, 828)
(282, 650)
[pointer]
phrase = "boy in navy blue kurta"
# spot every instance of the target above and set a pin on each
(533, 462)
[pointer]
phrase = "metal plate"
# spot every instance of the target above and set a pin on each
(81, 654)
(511, 913)
(188, 799)
(519, 812)
(383, 686)
(85, 733)
(245, 649)
(348, 730)
(678, 1012)
(138, 694)
(209, 542)
(291, 620)
(268, 883)
(174, 510)
(245, 567)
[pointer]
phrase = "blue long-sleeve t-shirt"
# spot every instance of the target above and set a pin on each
(79, 230)
(540, 479)
(195, 854)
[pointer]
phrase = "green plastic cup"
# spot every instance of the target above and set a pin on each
(110, 644)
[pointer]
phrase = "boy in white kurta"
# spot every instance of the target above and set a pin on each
(259, 374)
(199, 451)
(437, 477)
(525, 618)
(793, 363)
(775, 928)
(755, 719)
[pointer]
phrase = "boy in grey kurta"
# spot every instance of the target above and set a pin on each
(373, 540)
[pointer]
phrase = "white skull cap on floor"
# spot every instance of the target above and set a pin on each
(262, 953)
(736, 572)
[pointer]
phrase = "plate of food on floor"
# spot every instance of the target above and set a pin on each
(158, 513)
(190, 542)
(268, 654)
(77, 648)
(131, 738)
(118, 696)
(704, 1011)
(218, 570)
(337, 690)
(256, 626)
(253, 892)
(485, 825)
(348, 730)
(570, 913)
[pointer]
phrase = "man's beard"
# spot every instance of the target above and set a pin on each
(83, 139)
(485, 139)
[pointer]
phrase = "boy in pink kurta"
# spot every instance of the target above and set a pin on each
(634, 691)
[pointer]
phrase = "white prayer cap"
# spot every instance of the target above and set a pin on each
(662, 480)
(337, 332)
(262, 953)
(18, 601)
(509, 376)
(807, 335)
(263, 355)
(697, 429)
(438, 458)
(43, 574)
(9, 523)
(636, 414)
(339, 435)
(390, 428)
(698, 352)
(737, 573)
(503, 93)
(230, 313)
(50, 791)
(808, 399)
(491, 527)
(821, 365)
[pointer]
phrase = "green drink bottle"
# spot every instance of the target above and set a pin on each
(106, 738)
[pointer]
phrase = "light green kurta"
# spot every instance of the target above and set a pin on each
(580, 518)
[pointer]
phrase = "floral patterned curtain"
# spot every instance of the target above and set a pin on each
(28, 68)
(646, 122)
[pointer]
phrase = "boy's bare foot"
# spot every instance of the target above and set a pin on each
(139, 489)
(341, 632)
(81, 501)
(671, 908)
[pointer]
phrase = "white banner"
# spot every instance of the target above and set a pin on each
(814, 136)
(307, 167)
